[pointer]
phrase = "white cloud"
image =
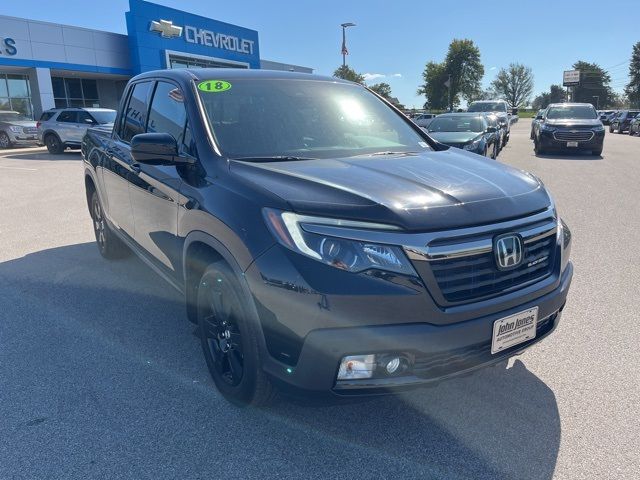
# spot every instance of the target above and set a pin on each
(372, 76)
(397, 75)
(493, 68)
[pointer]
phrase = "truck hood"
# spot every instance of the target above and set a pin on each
(454, 138)
(574, 122)
(418, 192)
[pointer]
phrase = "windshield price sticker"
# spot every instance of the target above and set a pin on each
(214, 86)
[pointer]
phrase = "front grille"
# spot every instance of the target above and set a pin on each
(30, 130)
(435, 365)
(569, 136)
(462, 269)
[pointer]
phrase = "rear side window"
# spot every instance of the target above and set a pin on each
(136, 112)
(167, 113)
(68, 116)
(85, 118)
(46, 116)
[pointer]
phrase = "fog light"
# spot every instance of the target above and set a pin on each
(393, 365)
(357, 366)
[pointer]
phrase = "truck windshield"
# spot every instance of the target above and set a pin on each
(487, 107)
(582, 112)
(304, 118)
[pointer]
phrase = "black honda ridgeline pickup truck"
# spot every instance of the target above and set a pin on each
(322, 241)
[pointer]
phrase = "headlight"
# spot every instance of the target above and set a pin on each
(15, 129)
(472, 145)
(598, 128)
(547, 128)
(342, 253)
(564, 234)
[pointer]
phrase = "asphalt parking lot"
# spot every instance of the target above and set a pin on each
(101, 375)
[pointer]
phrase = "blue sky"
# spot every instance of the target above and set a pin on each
(394, 40)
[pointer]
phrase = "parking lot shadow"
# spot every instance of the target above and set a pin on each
(66, 155)
(97, 355)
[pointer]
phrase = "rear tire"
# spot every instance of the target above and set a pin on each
(53, 144)
(229, 338)
(109, 245)
(5, 141)
(611, 129)
(494, 155)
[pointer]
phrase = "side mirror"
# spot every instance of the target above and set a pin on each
(491, 129)
(89, 121)
(156, 149)
(514, 111)
(538, 117)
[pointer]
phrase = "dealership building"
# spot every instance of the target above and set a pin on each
(45, 65)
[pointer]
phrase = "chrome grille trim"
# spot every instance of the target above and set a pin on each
(579, 136)
(478, 247)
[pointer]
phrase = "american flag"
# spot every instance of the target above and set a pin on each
(344, 48)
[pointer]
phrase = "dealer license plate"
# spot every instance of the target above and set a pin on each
(514, 329)
(572, 144)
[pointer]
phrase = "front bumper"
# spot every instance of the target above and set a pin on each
(337, 316)
(549, 142)
(23, 139)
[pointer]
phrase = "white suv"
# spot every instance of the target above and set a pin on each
(60, 128)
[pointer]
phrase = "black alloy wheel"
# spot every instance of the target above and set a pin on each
(53, 143)
(5, 141)
(229, 338)
(109, 245)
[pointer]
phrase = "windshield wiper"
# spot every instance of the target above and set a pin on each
(390, 153)
(275, 158)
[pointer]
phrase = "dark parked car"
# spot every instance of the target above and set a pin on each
(605, 116)
(535, 121)
(634, 126)
(622, 121)
(501, 109)
(493, 121)
(468, 131)
(322, 241)
(569, 127)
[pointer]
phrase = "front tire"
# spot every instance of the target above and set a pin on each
(109, 245)
(538, 150)
(5, 141)
(611, 129)
(229, 339)
(53, 144)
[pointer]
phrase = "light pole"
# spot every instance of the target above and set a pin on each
(597, 97)
(344, 41)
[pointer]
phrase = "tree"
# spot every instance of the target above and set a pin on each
(463, 64)
(382, 89)
(632, 90)
(556, 94)
(347, 73)
(434, 88)
(514, 84)
(594, 82)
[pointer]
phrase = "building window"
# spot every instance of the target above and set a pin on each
(15, 94)
(75, 92)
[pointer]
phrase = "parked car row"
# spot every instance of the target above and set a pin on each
(57, 129)
(622, 122)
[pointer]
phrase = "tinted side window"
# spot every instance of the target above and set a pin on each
(67, 116)
(136, 112)
(46, 116)
(85, 118)
(168, 114)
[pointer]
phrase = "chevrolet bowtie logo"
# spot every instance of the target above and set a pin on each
(165, 28)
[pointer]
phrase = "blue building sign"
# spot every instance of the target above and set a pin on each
(162, 37)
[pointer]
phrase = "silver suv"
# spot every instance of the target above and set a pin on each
(16, 129)
(61, 128)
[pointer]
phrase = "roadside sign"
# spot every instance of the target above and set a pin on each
(570, 78)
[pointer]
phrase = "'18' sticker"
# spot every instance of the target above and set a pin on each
(214, 86)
